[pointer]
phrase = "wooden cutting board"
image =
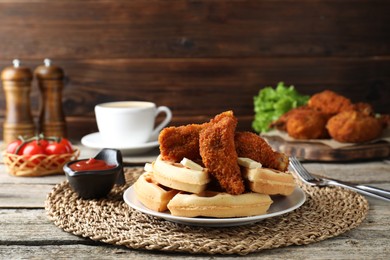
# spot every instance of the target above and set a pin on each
(321, 152)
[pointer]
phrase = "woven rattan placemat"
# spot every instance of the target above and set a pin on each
(326, 213)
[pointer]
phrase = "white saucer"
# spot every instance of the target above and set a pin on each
(281, 205)
(94, 140)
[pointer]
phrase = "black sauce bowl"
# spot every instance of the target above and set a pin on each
(95, 184)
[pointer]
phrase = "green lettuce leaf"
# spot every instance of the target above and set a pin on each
(271, 103)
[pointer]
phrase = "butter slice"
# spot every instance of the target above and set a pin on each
(191, 164)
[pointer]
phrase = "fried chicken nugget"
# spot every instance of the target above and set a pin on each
(281, 122)
(303, 122)
(179, 142)
(307, 124)
(329, 102)
(252, 146)
(354, 127)
(364, 108)
(218, 152)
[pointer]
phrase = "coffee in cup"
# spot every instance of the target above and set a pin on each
(129, 123)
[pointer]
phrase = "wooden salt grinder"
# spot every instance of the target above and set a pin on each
(51, 117)
(17, 87)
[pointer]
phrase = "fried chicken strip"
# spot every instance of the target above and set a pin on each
(218, 152)
(252, 146)
(179, 142)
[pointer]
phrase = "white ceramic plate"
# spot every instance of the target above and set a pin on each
(94, 140)
(281, 205)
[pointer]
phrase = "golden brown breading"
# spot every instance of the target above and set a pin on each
(179, 142)
(281, 122)
(307, 124)
(217, 149)
(303, 122)
(354, 127)
(252, 146)
(364, 108)
(329, 102)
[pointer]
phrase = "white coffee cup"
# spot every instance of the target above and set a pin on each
(129, 123)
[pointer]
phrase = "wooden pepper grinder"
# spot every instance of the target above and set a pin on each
(51, 117)
(17, 87)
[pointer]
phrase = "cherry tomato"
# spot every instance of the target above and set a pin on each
(67, 144)
(33, 148)
(43, 143)
(56, 148)
(12, 147)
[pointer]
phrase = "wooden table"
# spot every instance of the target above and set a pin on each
(26, 231)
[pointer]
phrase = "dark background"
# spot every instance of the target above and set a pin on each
(199, 57)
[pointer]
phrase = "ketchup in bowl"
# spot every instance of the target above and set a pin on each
(94, 178)
(91, 164)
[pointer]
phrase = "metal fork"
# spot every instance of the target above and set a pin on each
(308, 178)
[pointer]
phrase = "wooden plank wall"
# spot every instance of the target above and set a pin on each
(199, 57)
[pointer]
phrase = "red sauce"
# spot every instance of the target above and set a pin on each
(91, 164)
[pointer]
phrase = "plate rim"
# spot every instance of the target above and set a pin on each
(211, 222)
